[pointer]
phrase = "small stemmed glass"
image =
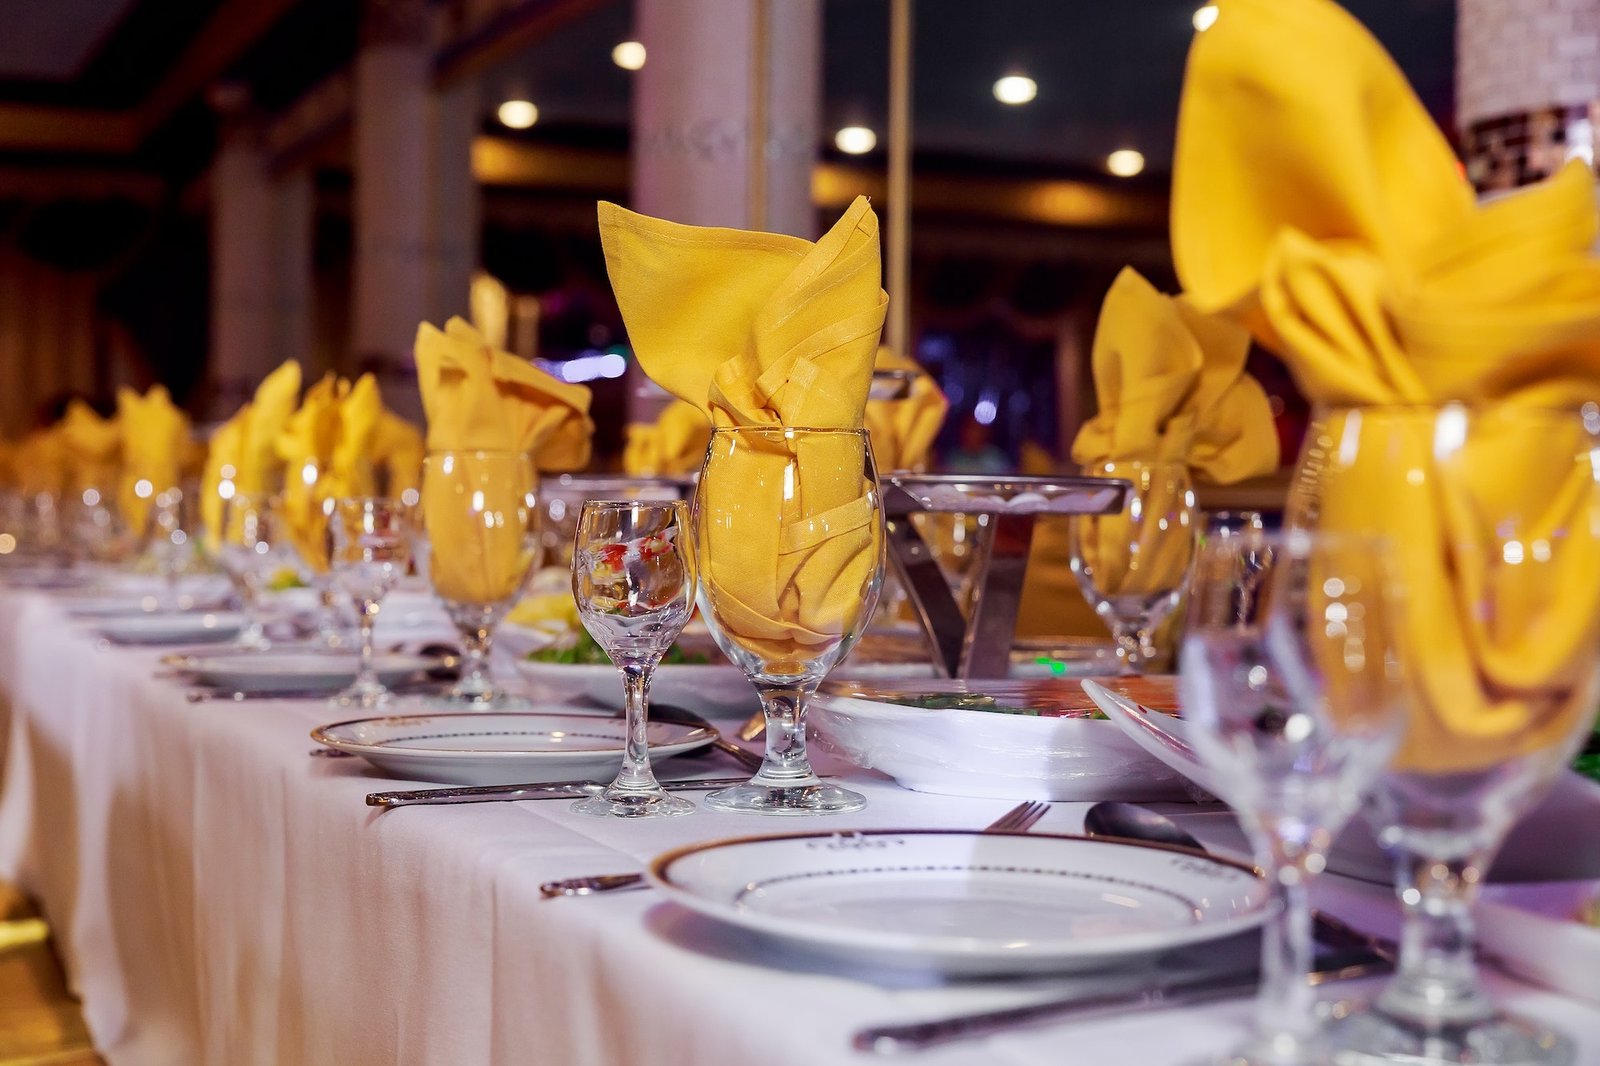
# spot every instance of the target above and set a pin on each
(370, 549)
(633, 575)
(1289, 682)
(174, 519)
(251, 551)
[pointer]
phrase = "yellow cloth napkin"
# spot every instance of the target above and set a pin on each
(1314, 200)
(478, 398)
(326, 448)
(903, 430)
(41, 462)
(765, 330)
(243, 451)
(675, 443)
(155, 439)
(397, 447)
(93, 445)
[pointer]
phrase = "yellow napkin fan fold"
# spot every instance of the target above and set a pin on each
(155, 439)
(243, 451)
(903, 430)
(674, 444)
(1315, 201)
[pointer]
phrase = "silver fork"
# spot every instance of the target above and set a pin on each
(1017, 820)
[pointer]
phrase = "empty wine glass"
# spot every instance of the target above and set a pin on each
(788, 528)
(305, 510)
(170, 540)
(371, 548)
(1289, 682)
(251, 551)
(633, 575)
(1132, 565)
(482, 516)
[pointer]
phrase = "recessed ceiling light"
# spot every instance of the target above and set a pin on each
(1125, 162)
(855, 140)
(629, 55)
(518, 114)
(1015, 89)
(1205, 17)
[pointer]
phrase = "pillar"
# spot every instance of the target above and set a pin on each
(390, 208)
(726, 112)
(1527, 87)
(456, 216)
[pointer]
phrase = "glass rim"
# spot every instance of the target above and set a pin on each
(506, 453)
(785, 430)
(1298, 541)
(617, 505)
(1468, 407)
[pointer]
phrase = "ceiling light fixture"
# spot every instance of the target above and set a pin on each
(855, 140)
(629, 55)
(1205, 17)
(518, 114)
(1015, 89)
(1125, 162)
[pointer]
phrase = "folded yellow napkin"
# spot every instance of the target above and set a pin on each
(93, 445)
(326, 450)
(1315, 201)
(675, 443)
(155, 441)
(42, 462)
(478, 398)
(397, 447)
(765, 330)
(243, 451)
(903, 430)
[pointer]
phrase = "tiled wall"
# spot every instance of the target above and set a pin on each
(1527, 87)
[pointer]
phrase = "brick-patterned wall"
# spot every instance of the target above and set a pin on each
(1527, 87)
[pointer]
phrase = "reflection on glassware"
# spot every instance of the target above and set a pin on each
(371, 548)
(788, 527)
(305, 510)
(562, 497)
(481, 511)
(1493, 515)
(171, 540)
(633, 576)
(1132, 565)
(1289, 681)
(1231, 524)
(251, 550)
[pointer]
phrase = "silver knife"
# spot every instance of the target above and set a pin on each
(916, 1036)
(553, 790)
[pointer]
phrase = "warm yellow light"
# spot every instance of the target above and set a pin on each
(629, 55)
(1125, 162)
(855, 140)
(1205, 17)
(1015, 89)
(518, 114)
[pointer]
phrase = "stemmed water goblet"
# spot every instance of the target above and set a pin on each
(633, 576)
(788, 528)
(1132, 564)
(1289, 683)
(482, 516)
(251, 551)
(1493, 514)
(173, 523)
(305, 512)
(370, 550)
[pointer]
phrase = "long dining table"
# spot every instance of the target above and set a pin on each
(219, 895)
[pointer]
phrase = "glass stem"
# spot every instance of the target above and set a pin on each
(1437, 977)
(786, 763)
(474, 682)
(636, 775)
(1132, 648)
(1286, 1002)
(367, 675)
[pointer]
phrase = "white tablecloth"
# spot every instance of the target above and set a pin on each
(221, 897)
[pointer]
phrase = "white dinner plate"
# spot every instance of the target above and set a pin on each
(1058, 753)
(101, 606)
(708, 689)
(172, 628)
(498, 748)
(963, 902)
(1532, 929)
(289, 669)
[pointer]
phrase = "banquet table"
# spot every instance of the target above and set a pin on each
(219, 896)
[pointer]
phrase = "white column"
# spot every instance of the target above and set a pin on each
(294, 224)
(723, 80)
(1527, 87)
(244, 283)
(393, 72)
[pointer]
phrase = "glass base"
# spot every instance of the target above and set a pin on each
(1276, 1051)
(364, 697)
(812, 798)
(616, 804)
(1371, 1037)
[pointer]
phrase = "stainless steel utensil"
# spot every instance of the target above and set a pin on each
(498, 793)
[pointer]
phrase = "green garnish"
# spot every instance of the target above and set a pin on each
(585, 652)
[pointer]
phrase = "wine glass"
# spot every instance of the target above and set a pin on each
(305, 513)
(1132, 565)
(371, 548)
(1289, 682)
(788, 528)
(482, 516)
(251, 551)
(633, 575)
(172, 526)
(1493, 515)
